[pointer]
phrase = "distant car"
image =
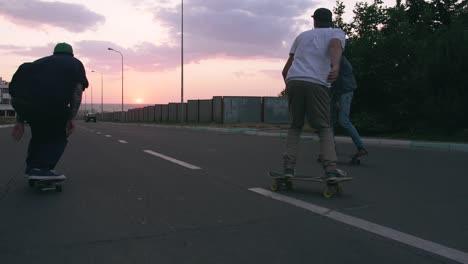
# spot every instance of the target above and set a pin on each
(90, 117)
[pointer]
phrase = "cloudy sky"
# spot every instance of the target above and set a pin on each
(231, 47)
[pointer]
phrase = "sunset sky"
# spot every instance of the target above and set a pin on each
(232, 47)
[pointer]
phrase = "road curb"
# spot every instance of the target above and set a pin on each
(6, 126)
(408, 144)
(379, 142)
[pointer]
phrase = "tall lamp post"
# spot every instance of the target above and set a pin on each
(102, 93)
(182, 63)
(111, 49)
(91, 97)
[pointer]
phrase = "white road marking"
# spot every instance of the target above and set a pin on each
(123, 141)
(181, 163)
(99, 133)
(389, 233)
(109, 136)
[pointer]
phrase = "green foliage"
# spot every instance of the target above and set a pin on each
(410, 62)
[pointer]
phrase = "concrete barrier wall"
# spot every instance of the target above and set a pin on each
(239, 109)
(135, 115)
(218, 109)
(146, 117)
(158, 113)
(193, 111)
(229, 109)
(182, 108)
(165, 113)
(275, 110)
(145, 113)
(205, 111)
(151, 113)
(172, 112)
(140, 114)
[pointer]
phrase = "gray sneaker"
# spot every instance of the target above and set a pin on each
(334, 175)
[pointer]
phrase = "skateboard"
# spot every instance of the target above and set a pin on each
(46, 185)
(332, 187)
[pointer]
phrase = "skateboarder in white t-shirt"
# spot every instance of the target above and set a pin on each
(314, 62)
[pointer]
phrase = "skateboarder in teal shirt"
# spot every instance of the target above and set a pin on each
(343, 90)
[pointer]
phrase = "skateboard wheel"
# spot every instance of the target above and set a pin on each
(274, 187)
(58, 188)
(31, 183)
(328, 193)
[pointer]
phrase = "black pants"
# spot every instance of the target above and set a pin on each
(49, 139)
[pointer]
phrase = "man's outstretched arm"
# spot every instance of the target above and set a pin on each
(76, 101)
(287, 66)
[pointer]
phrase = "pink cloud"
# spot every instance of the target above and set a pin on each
(72, 17)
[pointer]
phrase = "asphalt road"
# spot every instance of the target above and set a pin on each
(139, 194)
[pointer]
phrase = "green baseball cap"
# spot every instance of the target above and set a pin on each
(63, 48)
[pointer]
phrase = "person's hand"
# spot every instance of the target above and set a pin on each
(18, 131)
(70, 127)
(334, 72)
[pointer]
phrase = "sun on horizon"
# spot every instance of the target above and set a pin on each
(138, 101)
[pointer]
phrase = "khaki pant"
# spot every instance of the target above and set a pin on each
(307, 99)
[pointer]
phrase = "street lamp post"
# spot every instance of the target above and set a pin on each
(111, 49)
(102, 93)
(85, 103)
(182, 63)
(91, 98)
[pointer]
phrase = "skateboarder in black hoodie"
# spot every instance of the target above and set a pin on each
(47, 95)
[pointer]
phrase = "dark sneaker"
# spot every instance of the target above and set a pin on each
(31, 171)
(37, 174)
(288, 173)
(361, 152)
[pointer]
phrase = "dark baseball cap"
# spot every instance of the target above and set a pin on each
(323, 15)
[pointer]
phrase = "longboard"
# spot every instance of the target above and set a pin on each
(332, 187)
(46, 185)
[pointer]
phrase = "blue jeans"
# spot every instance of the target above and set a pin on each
(343, 118)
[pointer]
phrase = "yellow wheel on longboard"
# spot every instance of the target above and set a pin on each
(328, 193)
(274, 187)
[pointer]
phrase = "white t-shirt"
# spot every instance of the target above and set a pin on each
(311, 56)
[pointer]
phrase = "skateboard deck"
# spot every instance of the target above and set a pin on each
(46, 185)
(332, 187)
